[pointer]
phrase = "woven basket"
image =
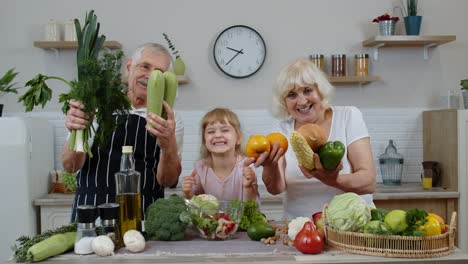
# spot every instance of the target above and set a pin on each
(59, 187)
(394, 246)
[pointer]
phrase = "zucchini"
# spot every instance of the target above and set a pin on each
(170, 90)
(52, 246)
(155, 92)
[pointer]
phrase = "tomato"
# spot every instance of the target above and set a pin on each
(280, 138)
(256, 145)
(308, 240)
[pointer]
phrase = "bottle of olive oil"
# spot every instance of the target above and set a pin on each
(127, 182)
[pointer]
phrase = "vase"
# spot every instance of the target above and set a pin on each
(387, 27)
(179, 66)
(412, 24)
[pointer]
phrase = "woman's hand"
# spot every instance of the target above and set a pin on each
(76, 118)
(163, 129)
(267, 159)
(328, 177)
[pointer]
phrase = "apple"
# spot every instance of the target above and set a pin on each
(317, 217)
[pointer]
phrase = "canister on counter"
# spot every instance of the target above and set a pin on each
(361, 64)
(319, 61)
(338, 65)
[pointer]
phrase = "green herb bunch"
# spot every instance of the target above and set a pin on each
(5, 82)
(411, 8)
(98, 87)
(171, 45)
(464, 84)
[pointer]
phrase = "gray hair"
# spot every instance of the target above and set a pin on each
(300, 73)
(153, 47)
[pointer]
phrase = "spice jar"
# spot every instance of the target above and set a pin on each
(52, 32)
(109, 213)
(318, 60)
(338, 65)
(85, 232)
(361, 64)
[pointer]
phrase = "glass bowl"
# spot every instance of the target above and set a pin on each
(221, 225)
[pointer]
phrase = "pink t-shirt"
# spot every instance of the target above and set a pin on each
(229, 188)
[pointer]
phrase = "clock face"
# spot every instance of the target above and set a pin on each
(239, 51)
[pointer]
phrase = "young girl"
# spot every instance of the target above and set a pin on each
(222, 170)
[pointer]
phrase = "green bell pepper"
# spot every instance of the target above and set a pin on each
(331, 154)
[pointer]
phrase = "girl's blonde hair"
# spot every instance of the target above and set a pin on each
(224, 116)
(300, 73)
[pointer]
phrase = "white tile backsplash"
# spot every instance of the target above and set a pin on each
(403, 125)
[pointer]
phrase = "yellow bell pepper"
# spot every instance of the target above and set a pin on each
(431, 227)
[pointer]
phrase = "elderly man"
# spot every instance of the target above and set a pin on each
(159, 164)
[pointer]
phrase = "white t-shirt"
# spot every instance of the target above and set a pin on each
(305, 196)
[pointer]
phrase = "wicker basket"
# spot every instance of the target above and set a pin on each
(394, 246)
(57, 186)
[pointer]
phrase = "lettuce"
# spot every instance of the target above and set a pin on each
(347, 212)
(209, 204)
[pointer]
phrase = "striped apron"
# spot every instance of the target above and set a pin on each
(96, 181)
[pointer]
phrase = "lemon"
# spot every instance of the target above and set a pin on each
(396, 221)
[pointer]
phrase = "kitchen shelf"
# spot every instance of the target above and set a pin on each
(56, 45)
(408, 41)
(353, 79)
(182, 79)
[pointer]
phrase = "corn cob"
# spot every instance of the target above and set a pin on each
(304, 154)
(170, 90)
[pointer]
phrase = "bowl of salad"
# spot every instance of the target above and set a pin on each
(216, 220)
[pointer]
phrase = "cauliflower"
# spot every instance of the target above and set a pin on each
(296, 225)
(207, 203)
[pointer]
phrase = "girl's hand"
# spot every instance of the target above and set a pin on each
(326, 176)
(187, 184)
(267, 159)
(249, 177)
(76, 118)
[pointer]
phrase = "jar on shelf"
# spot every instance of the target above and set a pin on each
(391, 165)
(53, 32)
(318, 60)
(338, 65)
(69, 30)
(361, 64)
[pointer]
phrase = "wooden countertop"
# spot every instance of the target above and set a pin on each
(405, 191)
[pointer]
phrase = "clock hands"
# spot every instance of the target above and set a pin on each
(238, 52)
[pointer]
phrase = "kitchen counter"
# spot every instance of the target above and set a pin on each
(405, 191)
(238, 250)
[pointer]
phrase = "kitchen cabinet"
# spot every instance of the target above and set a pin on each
(67, 45)
(425, 42)
(445, 138)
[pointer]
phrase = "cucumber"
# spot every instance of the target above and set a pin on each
(170, 92)
(52, 246)
(155, 92)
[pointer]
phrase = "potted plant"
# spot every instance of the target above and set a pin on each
(411, 18)
(179, 65)
(464, 89)
(6, 85)
(386, 24)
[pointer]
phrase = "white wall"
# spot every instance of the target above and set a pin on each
(290, 28)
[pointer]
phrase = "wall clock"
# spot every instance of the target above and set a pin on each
(239, 51)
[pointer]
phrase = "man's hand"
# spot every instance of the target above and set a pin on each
(163, 129)
(76, 118)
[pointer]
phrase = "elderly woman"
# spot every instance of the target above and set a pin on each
(302, 95)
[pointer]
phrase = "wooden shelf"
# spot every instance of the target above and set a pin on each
(72, 44)
(402, 40)
(183, 79)
(353, 79)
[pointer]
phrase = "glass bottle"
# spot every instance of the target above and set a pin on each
(85, 231)
(391, 165)
(338, 65)
(361, 64)
(127, 183)
(109, 214)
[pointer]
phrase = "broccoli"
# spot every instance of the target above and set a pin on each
(166, 219)
(251, 215)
